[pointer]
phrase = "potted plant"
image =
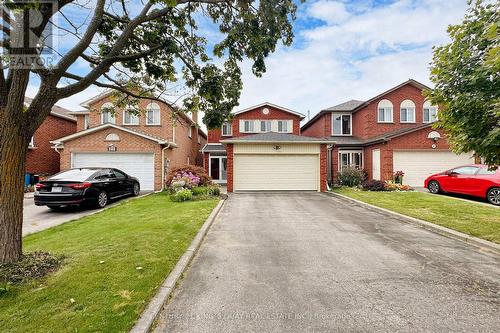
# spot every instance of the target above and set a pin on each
(398, 177)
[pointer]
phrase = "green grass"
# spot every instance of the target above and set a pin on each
(467, 217)
(150, 232)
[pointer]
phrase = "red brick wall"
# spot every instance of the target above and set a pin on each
(322, 165)
(95, 142)
(230, 155)
(321, 127)
(206, 157)
(43, 160)
(214, 135)
(364, 121)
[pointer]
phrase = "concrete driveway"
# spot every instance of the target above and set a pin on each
(306, 262)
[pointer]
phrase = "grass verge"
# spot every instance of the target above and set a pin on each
(476, 220)
(114, 262)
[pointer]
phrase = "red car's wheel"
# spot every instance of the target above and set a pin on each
(434, 187)
(493, 196)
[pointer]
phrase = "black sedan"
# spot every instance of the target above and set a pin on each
(85, 186)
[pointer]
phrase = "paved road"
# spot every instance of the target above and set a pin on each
(304, 262)
(37, 218)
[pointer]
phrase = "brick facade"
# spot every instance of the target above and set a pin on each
(42, 159)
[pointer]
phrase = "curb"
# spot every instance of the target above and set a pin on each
(443, 231)
(155, 306)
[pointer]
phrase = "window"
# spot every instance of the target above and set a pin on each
(407, 111)
(248, 126)
(130, 116)
(385, 111)
(119, 175)
(283, 126)
(353, 158)
(265, 126)
(342, 124)
(190, 131)
(485, 171)
(32, 142)
(430, 112)
(218, 168)
(199, 138)
(153, 114)
(465, 170)
(107, 114)
(227, 129)
(86, 121)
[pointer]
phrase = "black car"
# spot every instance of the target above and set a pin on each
(85, 186)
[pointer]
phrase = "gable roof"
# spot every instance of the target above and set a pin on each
(57, 111)
(271, 105)
(276, 138)
(355, 105)
(109, 125)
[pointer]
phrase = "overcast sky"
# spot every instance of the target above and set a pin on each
(344, 50)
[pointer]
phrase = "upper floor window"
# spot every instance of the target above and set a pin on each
(130, 116)
(248, 126)
(190, 131)
(153, 114)
(407, 111)
(342, 124)
(107, 114)
(32, 142)
(284, 126)
(430, 112)
(86, 121)
(385, 114)
(227, 129)
(199, 138)
(265, 126)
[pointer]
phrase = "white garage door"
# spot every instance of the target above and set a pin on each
(276, 172)
(137, 165)
(418, 165)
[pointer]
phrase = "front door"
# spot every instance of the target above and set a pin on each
(218, 168)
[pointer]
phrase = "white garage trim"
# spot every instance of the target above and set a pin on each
(264, 168)
(419, 164)
(139, 165)
(376, 164)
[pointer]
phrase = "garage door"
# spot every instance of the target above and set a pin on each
(418, 165)
(137, 165)
(276, 172)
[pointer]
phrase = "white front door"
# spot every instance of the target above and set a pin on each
(418, 165)
(139, 165)
(376, 164)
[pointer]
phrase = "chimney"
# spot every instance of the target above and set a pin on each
(194, 116)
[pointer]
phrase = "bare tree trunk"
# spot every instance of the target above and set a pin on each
(13, 150)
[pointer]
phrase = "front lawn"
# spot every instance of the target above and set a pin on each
(467, 217)
(115, 261)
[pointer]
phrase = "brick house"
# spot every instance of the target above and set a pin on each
(144, 145)
(390, 132)
(262, 148)
(42, 159)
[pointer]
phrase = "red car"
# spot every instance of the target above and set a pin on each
(475, 180)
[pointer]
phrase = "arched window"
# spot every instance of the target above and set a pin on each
(430, 112)
(407, 111)
(112, 137)
(107, 114)
(385, 111)
(153, 114)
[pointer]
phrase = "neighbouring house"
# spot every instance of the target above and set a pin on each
(390, 132)
(261, 148)
(42, 159)
(145, 145)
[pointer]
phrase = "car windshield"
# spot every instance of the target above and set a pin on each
(74, 175)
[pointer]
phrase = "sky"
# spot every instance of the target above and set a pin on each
(342, 50)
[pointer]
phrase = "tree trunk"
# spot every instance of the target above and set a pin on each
(13, 150)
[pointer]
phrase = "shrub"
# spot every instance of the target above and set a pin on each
(392, 186)
(212, 190)
(350, 176)
(374, 185)
(182, 195)
(199, 172)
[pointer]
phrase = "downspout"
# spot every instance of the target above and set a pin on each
(329, 179)
(163, 166)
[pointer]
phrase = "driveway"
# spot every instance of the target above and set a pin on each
(37, 218)
(275, 262)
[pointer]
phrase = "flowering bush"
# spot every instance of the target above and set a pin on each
(392, 186)
(188, 180)
(199, 172)
(398, 177)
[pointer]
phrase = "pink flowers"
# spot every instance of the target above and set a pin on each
(189, 178)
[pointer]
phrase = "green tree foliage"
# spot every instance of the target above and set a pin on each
(466, 75)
